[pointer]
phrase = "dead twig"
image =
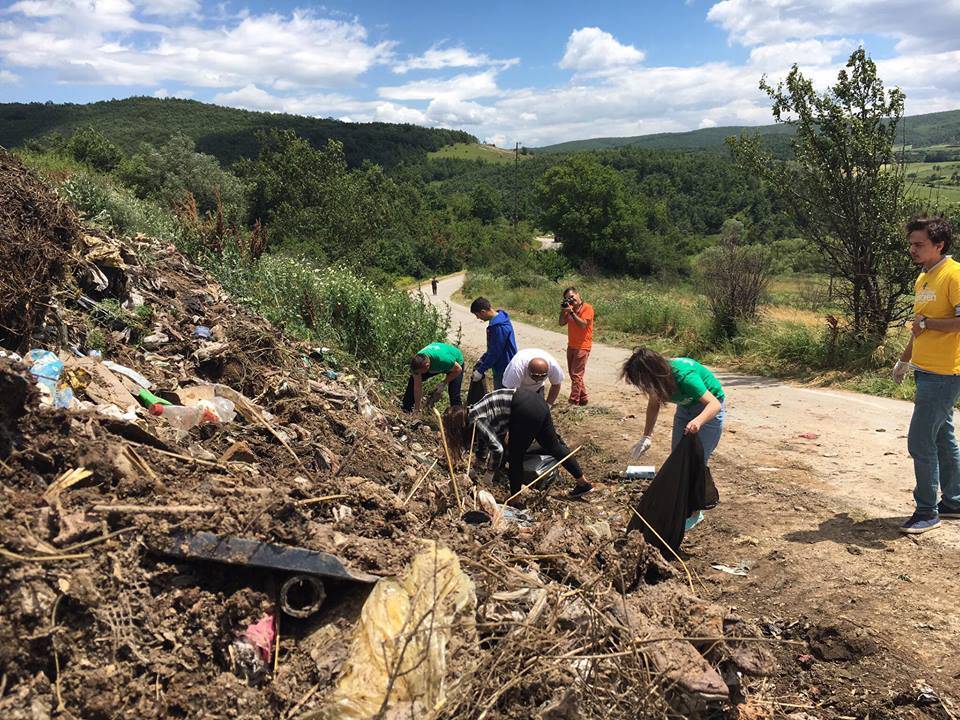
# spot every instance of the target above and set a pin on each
(263, 421)
(324, 498)
(300, 703)
(446, 450)
(419, 482)
(155, 509)
(94, 541)
(41, 558)
(56, 655)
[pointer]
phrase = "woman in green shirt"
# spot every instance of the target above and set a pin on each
(695, 390)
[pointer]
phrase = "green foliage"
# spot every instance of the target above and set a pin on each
(118, 209)
(585, 204)
(167, 173)
(840, 190)
(380, 326)
(89, 146)
(312, 203)
(485, 203)
(226, 133)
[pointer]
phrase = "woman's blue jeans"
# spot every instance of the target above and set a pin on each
(932, 442)
(709, 432)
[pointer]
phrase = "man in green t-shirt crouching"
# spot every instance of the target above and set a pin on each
(435, 359)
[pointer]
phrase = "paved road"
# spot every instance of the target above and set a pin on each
(859, 458)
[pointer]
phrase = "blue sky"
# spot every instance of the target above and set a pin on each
(533, 72)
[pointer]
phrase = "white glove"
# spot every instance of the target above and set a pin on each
(900, 371)
(641, 447)
(477, 376)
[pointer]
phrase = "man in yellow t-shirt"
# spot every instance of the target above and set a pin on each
(933, 353)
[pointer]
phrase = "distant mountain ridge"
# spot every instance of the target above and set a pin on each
(939, 128)
(227, 133)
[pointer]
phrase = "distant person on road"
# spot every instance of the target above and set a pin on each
(530, 369)
(433, 285)
(437, 358)
(501, 341)
(578, 317)
(695, 390)
(511, 418)
(933, 353)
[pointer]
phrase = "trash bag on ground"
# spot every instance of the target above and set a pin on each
(408, 630)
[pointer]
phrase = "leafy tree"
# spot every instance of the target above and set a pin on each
(583, 203)
(88, 145)
(841, 190)
(168, 172)
(485, 203)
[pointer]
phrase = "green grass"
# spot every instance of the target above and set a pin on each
(936, 194)
(475, 151)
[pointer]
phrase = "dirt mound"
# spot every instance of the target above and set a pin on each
(105, 613)
(37, 231)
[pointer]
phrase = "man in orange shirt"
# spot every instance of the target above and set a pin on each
(578, 317)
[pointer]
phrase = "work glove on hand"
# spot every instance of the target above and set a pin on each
(900, 371)
(477, 376)
(638, 450)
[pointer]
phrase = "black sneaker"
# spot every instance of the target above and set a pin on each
(919, 524)
(945, 511)
(580, 489)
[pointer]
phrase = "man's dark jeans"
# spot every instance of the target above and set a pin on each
(453, 390)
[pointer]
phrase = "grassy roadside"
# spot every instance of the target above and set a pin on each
(792, 339)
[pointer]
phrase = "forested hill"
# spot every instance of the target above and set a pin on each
(940, 128)
(226, 133)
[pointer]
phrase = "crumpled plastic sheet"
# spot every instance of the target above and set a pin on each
(409, 628)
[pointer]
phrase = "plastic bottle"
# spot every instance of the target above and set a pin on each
(215, 410)
(179, 417)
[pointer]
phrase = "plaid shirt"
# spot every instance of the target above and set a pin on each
(492, 417)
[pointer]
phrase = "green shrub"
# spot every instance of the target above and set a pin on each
(89, 146)
(117, 208)
(379, 325)
(167, 173)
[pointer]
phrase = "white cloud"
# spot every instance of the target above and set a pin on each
(590, 49)
(928, 25)
(806, 53)
(462, 87)
(169, 8)
(393, 113)
(8, 78)
(301, 50)
(454, 112)
(250, 97)
(707, 123)
(439, 57)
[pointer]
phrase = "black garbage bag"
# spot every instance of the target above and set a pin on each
(477, 390)
(682, 486)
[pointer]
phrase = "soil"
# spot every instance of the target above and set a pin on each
(875, 612)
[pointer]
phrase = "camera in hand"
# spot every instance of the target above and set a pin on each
(565, 303)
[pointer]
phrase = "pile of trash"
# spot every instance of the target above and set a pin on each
(202, 518)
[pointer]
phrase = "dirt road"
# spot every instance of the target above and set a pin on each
(817, 519)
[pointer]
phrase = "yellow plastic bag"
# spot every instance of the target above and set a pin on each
(409, 627)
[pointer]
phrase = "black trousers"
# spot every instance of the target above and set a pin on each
(453, 390)
(530, 420)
